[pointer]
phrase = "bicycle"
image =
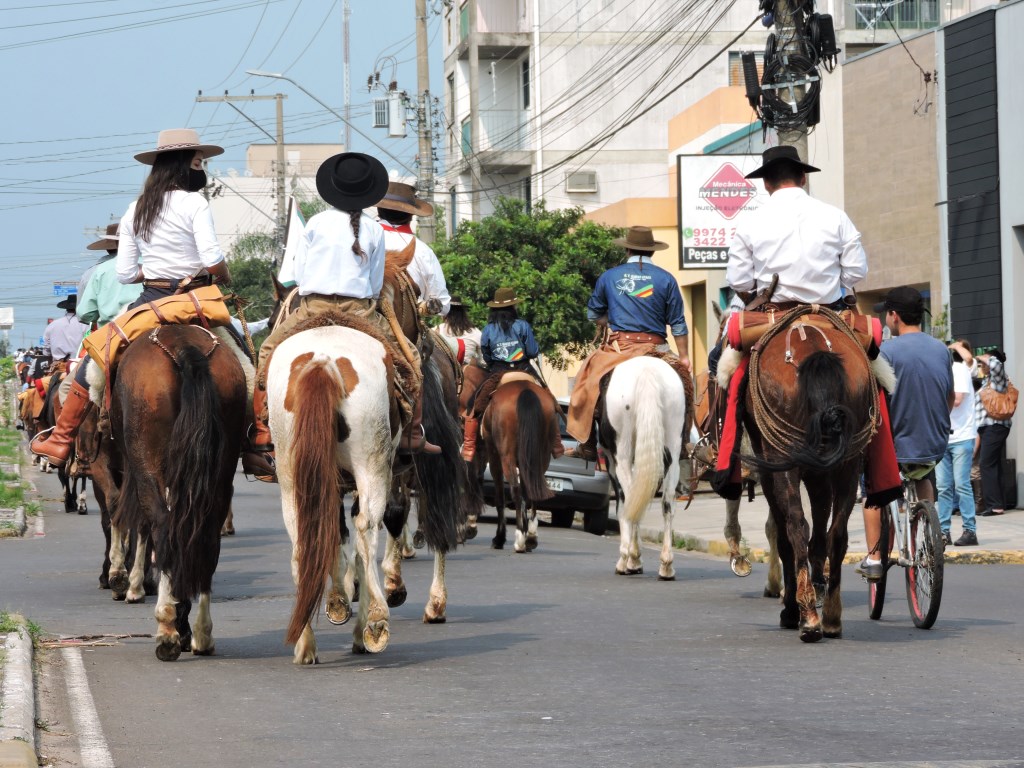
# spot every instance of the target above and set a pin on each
(913, 527)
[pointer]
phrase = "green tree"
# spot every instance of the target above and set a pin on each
(551, 258)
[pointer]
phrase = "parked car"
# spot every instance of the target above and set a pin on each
(578, 485)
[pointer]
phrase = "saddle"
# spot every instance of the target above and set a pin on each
(748, 327)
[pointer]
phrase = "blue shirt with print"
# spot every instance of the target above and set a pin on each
(640, 297)
(516, 346)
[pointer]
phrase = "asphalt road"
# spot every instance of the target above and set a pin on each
(547, 659)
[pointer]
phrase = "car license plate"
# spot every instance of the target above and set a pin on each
(555, 484)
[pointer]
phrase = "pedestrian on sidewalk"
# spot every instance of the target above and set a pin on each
(953, 472)
(992, 435)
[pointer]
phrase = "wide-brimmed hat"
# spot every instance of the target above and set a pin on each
(640, 239)
(402, 197)
(352, 181)
(902, 299)
(176, 139)
(503, 297)
(107, 243)
(455, 301)
(70, 303)
(784, 154)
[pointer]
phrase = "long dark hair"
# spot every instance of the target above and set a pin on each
(458, 321)
(503, 317)
(357, 249)
(170, 172)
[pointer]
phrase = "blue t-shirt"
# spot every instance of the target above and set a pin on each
(640, 297)
(518, 345)
(919, 408)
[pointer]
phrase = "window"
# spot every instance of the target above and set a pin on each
(736, 67)
(525, 70)
(581, 181)
(908, 14)
(467, 138)
(463, 22)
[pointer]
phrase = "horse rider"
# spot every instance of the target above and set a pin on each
(794, 250)
(339, 266)
(460, 333)
(507, 344)
(634, 301)
(394, 214)
(170, 230)
(63, 336)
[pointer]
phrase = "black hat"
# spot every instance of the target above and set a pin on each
(784, 154)
(70, 303)
(352, 181)
(900, 299)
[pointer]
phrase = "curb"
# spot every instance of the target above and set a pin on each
(721, 549)
(17, 703)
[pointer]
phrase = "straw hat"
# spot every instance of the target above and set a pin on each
(176, 139)
(352, 181)
(402, 197)
(503, 297)
(108, 242)
(640, 239)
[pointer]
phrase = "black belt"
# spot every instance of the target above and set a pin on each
(185, 282)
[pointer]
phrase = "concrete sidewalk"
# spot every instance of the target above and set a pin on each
(1001, 538)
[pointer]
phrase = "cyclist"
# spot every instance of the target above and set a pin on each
(919, 406)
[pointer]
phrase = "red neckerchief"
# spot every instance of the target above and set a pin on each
(403, 228)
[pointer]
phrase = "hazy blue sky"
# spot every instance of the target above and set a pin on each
(90, 83)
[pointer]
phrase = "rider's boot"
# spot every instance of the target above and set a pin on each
(414, 439)
(57, 445)
(470, 430)
(258, 451)
(586, 450)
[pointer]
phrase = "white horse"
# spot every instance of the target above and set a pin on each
(642, 433)
(329, 399)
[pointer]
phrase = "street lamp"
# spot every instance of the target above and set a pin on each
(279, 76)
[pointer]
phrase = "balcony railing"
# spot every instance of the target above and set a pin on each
(902, 14)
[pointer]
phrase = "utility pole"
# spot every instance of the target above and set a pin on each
(790, 40)
(425, 230)
(346, 15)
(279, 170)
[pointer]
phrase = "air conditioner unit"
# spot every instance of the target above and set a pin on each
(380, 113)
(581, 181)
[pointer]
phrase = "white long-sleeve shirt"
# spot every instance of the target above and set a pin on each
(325, 264)
(425, 269)
(182, 244)
(813, 247)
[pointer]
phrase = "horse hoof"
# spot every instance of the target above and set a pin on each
(666, 578)
(810, 634)
(740, 566)
(770, 593)
(203, 651)
(419, 541)
(131, 598)
(531, 544)
(375, 636)
(119, 583)
(338, 611)
(497, 544)
(789, 622)
(630, 571)
(104, 582)
(168, 649)
(470, 533)
(408, 553)
(428, 619)
(397, 597)
(832, 634)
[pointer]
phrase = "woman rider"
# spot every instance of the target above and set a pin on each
(170, 230)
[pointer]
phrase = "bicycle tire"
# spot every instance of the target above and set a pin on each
(925, 573)
(876, 589)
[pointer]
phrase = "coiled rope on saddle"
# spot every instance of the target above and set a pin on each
(783, 436)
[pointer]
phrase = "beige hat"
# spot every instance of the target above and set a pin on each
(175, 139)
(107, 243)
(640, 239)
(503, 297)
(402, 197)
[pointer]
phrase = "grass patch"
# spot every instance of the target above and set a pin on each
(33, 508)
(8, 623)
(8, 530)
(11, 497)
(685, 542)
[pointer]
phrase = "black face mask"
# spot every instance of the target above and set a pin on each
(196, 180)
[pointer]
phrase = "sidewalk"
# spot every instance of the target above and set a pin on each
(1001, 539)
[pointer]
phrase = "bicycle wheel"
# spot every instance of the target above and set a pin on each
(876, 589)
(924, 574)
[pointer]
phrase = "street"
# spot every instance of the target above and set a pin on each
(547, 659)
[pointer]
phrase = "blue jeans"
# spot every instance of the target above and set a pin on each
(953, 478)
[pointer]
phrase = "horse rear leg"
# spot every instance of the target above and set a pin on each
(140, 562)
(396, 519)
(202, 628)
(738, 561)
(117, 575)
(437, 603)
(168, 638)
(773, 585)
(666, 570)
(372, 630)
(498, 542)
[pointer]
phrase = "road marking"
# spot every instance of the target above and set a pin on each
(92, 745)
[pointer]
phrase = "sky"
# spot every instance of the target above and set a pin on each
(88, 84)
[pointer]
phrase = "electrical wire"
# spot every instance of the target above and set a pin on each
(248, 45)
(319, 29)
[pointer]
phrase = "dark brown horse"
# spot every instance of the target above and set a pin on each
(178, 411)
(810, 405)
(517, 430)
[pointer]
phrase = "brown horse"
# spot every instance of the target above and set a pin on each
(178, 410)
(810, 407)
(517, 429)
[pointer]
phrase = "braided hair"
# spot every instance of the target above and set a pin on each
(357, 249)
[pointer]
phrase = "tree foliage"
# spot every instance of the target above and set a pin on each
(551, 258)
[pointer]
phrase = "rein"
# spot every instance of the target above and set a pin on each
(783, 436)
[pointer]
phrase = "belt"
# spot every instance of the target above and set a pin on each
(637, 336)
(174, 285)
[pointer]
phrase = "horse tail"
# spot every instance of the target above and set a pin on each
(195, 453)
(649, 453)
(821, 393)
(319, 391)
(532, 443)
(441, 478)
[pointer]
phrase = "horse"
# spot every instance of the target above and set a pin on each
(178, 409)
(640, 427)
(809, 409)
(517, 430)
(335, 427)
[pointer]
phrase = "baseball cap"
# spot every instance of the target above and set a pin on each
(904, 297)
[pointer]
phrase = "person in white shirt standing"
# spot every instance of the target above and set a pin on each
(953, 472)
(395, 214)
(169, 229)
